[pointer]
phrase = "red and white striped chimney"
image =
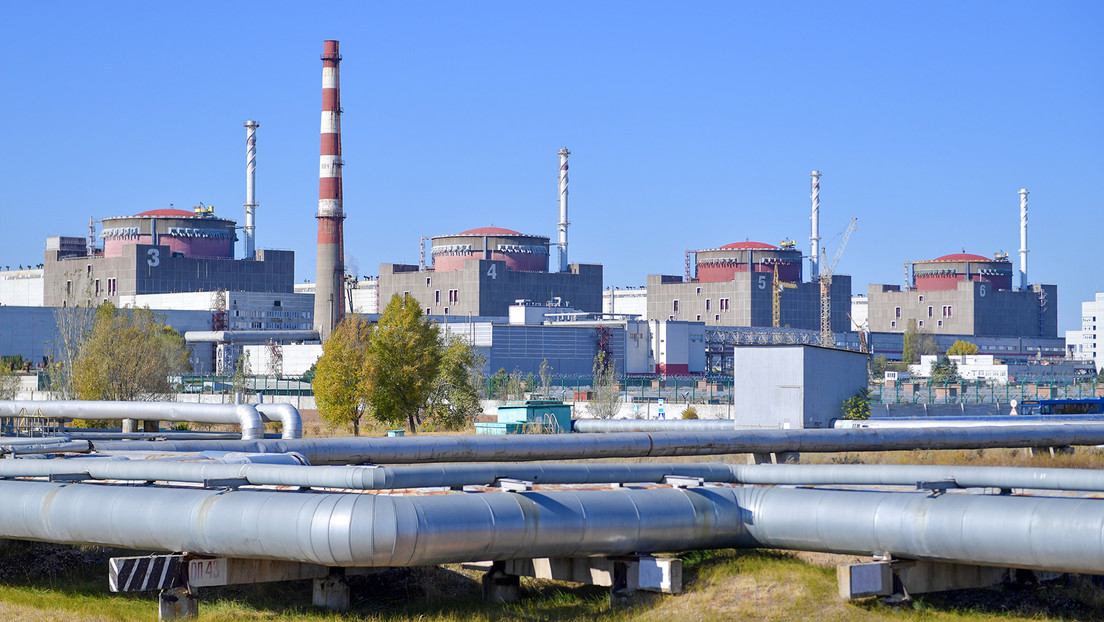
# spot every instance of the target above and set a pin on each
(329, 299)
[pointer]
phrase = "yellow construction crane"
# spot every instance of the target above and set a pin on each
(827, 338)
(776, 298)
(863, 344)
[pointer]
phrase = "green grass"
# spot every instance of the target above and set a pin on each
(719, 585)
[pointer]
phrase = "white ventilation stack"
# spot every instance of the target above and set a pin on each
(1023, 238)
(563, 209)
(250, 187)
(814, 238)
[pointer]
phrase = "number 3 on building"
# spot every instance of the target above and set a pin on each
(493, 271)
(154, 257)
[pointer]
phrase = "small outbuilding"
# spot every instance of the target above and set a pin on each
(794, 386)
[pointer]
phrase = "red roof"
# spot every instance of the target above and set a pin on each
(176, 213)
(489, 231)
(962, 257)
(749, 245)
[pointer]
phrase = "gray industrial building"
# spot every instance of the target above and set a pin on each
(794, 386)
(159, 251)
(488, 287)
(746, 300)
(964, 294)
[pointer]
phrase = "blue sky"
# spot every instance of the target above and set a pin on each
(691, 125)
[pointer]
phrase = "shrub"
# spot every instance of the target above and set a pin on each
(857, 406)
(690, 413)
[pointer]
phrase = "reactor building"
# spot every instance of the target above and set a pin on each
(155, 252)
(738, 284)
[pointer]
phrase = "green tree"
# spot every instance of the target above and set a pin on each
(74, 326)
(917, 343)
(454, 401)
(944, 370)
(607, 393)
(129, 355)
(9, 383)
(340, 376)
(404, 355)
(960, 347)
(878, 366)
(857, 406)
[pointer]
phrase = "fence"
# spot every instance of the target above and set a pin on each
(981, 392)
(633, 389)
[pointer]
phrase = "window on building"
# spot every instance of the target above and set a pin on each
(717, 317)
(437, 297)
(674, 307)
(948, 311)
(920, 324)
(427, 281)
(724, 304)
(893, 324)
(930, 309)
(68, 288)
(97, 287)
(939, 323)
(699, 291)
(920, 298)
(454, 296)
(446, 310)
(707, 304)
(405, 294)
(428, 311)
(897, 312)
(699, 318)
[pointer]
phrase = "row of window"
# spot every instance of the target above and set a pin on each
(708, 305)
(453, 297)
(948, 311)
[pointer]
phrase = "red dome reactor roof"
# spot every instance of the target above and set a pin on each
(175, 213)
(962, 257)
(750, 246)
(490, 231)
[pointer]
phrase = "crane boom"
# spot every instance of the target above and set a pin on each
(827, 337)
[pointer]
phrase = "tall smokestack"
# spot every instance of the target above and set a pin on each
(329, 298)
(814, 238)
(563, 209)
(1023, 237)
(250, 187)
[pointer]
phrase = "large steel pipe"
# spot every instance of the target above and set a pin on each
(345, 529)
(244, 415)
(286, 414)
(651, 425)
(528, 447)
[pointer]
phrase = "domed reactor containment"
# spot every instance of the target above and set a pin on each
(519, 251)
(156, 252)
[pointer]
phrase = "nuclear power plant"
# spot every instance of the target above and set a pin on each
(730, 293)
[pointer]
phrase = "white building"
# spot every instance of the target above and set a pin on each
(21, 288)
(240, 310)
(628, 301)
(363, 295)
(1092, 327)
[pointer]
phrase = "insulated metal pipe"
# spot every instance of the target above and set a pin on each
(651, 425)
(343, 529)
(249, 336)
(286, 414)
(244, 415)
(967, 422)
(260, 470)
(530, 447)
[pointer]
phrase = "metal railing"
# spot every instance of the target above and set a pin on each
(982, 392)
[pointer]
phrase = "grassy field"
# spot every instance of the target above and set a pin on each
(719, 585)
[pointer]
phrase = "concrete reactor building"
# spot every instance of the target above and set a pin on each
(481, 272)
(158, 251)
(737, 285)
(967, 294)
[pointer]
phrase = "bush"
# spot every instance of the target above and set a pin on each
(857, 406)
(690, 413)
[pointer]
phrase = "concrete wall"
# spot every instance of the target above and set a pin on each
(794, 386)
(488, 288)
(746, 300)
(148, 269)
(21, 288)
(972, 308)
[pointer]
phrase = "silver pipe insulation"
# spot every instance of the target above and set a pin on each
(651, 425)
(286, 414)
(966, 422)
(249, 417)
(284, 470)
(345, 529)
(45, 446)
(531, 447)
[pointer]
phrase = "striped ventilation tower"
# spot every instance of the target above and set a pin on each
(562, 225)
(329, 299)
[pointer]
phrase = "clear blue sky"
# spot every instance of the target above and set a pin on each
(691, 125)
